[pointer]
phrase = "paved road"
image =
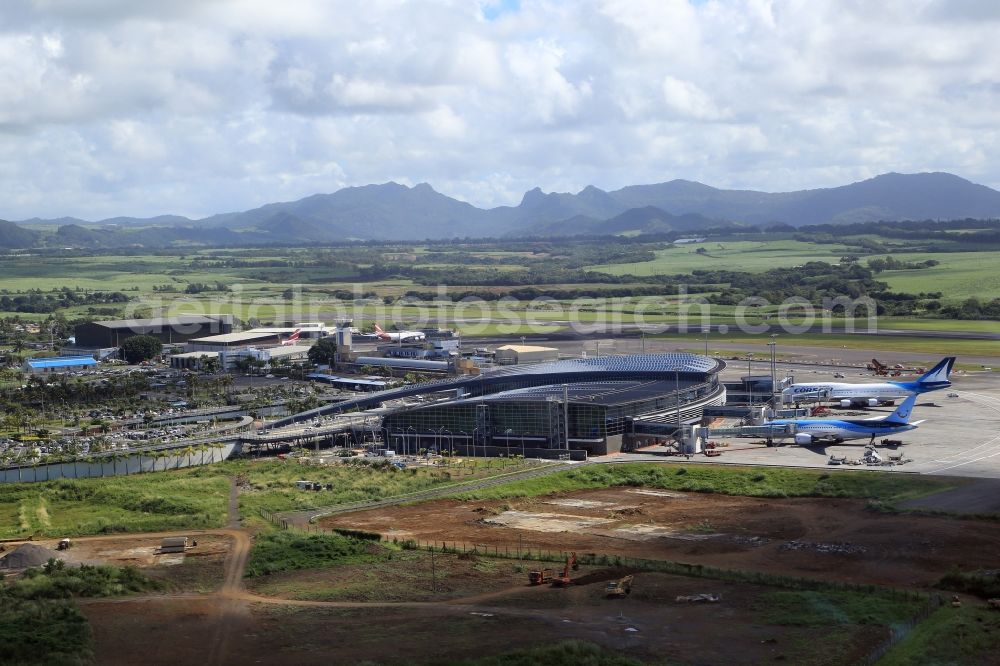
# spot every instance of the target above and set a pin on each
(980, 496)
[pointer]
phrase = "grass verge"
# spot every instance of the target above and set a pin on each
(750, 482)
(140, 503)
(808, 608)
(196, 497)
(966, 635)
(275, 552)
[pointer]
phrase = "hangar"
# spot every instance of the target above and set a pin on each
(112, 333)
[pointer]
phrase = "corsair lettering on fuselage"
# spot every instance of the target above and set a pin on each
(880, 393)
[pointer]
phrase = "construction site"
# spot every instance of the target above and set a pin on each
(647, 572)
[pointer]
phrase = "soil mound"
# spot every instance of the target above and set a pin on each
(28, 555)
(602, 575)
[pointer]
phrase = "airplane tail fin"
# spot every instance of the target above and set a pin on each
(378, 329)
(902, 413)
(938, 377)
(940, 373)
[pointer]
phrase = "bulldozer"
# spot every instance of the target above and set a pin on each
(618, 589)
(564, 579)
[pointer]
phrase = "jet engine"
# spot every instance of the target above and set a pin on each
(845, 403)
(803, 438)
(872, 402)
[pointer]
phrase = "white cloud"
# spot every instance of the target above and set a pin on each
(116, 107)
(687, 99)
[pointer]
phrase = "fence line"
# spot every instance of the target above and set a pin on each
(898, 632)
(518, 552)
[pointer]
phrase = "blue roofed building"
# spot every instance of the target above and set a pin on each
(58, 364)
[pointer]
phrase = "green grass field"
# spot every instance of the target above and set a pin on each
(751, 482)
(192, 497)
(934, 347)
(146, 502)
(959, 275)
(966, 635)
(750, 256)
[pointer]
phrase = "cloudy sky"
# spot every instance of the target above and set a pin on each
(122, 107)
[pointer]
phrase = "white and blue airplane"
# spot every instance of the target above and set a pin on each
(810, 431)
(871, 395)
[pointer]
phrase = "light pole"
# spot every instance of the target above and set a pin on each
(406, 448)
(507, 437)
(466, 438)
(772, 344)
(451, 444)
(677, 394)
(750, 377)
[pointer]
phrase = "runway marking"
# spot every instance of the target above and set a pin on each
(986, 401)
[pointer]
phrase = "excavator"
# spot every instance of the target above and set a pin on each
(564, 579)
(618, 589)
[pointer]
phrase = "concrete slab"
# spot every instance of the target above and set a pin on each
(544, 522)
(960, 436)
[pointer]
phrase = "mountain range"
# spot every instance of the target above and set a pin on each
(392, 211)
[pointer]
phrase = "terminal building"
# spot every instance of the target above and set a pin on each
(570, 408)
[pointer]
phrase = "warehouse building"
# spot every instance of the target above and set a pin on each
(191, 360)
(257, 338)
(169, 330)
(59, 364)
(231, 359)
(522, 354)
(236, 341)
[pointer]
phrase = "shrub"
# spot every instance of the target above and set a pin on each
(57, 581)
(981, 584)
(275, 552)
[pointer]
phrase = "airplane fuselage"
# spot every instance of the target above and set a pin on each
(842, 430)
(402, 336)
(882, 392)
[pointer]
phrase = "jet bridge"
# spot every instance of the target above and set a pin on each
(756, 431)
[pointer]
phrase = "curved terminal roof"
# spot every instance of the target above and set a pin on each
(632, 368)
(674, 361)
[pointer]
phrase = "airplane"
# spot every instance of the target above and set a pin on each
(398, 336)
(293, 338)
(871, 395)
(809, 431)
